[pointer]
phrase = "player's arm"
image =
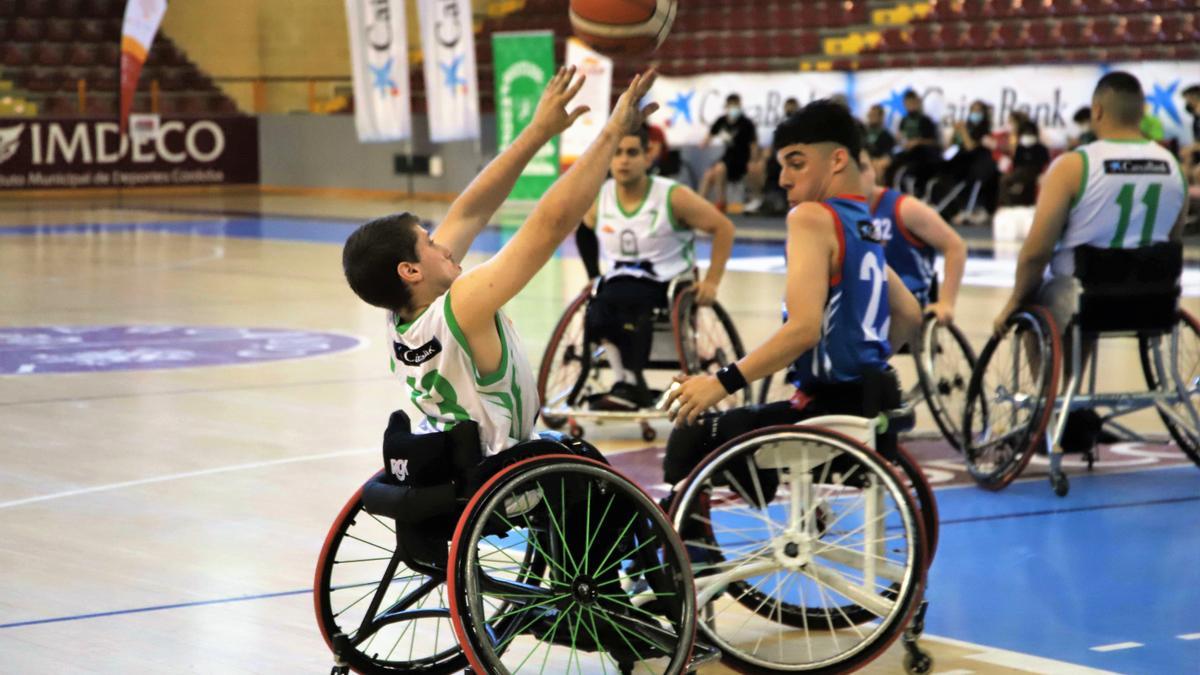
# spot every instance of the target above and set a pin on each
(588, 244)
(1059, 188)
(811, 249)
(699, 214)
(472, 210)
(904, 312)
(478, 294)
(927, 225)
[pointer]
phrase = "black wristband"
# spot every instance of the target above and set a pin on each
(731, 378)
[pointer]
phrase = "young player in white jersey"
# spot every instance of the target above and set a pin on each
(451, 345)
(1120, 191)
(646, 226)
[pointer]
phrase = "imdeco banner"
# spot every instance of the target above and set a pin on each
(524, 63)
(379, 58)
(451, 86)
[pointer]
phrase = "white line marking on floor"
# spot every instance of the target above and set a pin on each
(1189, 636)
(180, 476)
(1117, 646)
(1026, 662)
(25, 368)
(958, 671)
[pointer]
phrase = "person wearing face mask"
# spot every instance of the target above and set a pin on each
(973, 163)
(1190, 153)
(1083, 120)
(762, 176)
(1030, 158)
(739, 137)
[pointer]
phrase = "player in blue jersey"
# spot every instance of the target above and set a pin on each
(913, 235)
(845, 308)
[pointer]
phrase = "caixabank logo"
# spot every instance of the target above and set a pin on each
(10, 142)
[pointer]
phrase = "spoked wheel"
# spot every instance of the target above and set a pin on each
(378, 615)
(775, 387)
(808, 550)
(1171, 363)
(1010, 397)
(944, 366)
(565, 365)
(923, 496)
(614, 594)
(707, 341)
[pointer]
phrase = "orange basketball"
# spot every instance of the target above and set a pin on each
(623, 27)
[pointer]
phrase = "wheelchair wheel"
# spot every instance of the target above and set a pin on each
(707, 341)
(775, 387)
(1010, 397)
(945, 362)
(808, 550)
(924, 498)
(614, 592)
(565, 364)
(406, 627)
(1182, 349)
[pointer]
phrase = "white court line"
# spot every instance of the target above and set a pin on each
(1016, 660)
(1189, 636)
(1116, 646)
(180, 476)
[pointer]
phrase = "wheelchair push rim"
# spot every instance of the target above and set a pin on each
(353, 563)
(706, 341)
(1181, 348)
(1011, 397)
(628, 603)
(820, 573)
(945, 363)
(563, 372)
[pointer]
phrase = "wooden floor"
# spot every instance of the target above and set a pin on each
(168, 520)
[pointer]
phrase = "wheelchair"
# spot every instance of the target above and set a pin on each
(809, 548)
(1013, 396)
(554, 561)
(688, 338)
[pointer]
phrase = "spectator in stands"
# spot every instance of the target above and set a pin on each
(1083, 120)
(1191, 153)
(1030, 158)
(762, 177)
(657, 151)
(737, 133)
(972, 163)
(921, 155)
(879, 141)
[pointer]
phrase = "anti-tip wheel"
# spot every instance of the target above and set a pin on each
(576, 431)
(648, 433)
(1060, 483)
(918, 663)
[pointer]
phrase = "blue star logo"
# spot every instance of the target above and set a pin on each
(450, 73)
(1164, 99)
(382, 78)
(682, 106)
(894, 105)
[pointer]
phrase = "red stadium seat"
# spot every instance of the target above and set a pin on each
(41, 80)
(47, 54)
(1075, 33)
(82, 54)
(1044, 34)
(1105, 30)
(103, 78)
(101, 9)
(67, 9)
(8, 8)
(102, 105)
(17, 54)
(61, 30)
(924, 38)
(975, 37)
(36, 8)
(28, 30)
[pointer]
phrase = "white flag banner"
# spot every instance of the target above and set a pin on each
(596, 94)
(451, 86)
(379, 56)
(688, 106)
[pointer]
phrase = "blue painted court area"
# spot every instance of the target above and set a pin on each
(1113, 562)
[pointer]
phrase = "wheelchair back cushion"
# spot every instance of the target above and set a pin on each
(425, 460)
(1133, 289)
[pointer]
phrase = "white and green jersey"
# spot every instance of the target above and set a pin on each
(431, 357)
(1130, 196)
(647, 242)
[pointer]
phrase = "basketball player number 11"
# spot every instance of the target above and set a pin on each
(1125, 201)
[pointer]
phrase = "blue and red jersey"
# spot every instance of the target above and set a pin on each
(911, 258)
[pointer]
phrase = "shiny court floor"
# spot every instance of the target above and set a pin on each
(188, 393)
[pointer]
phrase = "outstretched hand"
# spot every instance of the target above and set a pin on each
(626, 117)
(551, 115)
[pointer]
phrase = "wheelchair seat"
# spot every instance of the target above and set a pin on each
(1129, 290)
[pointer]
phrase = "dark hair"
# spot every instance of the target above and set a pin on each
(371, 255)
(1028, 127)
(791, 99)
(643, 134)
(1082, 115)
(822, 121)
(911, 94)
(1126, 93)
(733, 98)
(1193, 90)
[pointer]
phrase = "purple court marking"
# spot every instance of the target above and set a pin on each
(35, 350)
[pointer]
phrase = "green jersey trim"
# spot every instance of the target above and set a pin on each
(456, 330)
(671, 212)
(617, 198)
(1083, 179)
(1134, 141)
(1182, 177)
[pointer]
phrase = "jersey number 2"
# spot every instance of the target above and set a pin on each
(872, 270)
(1125, 201)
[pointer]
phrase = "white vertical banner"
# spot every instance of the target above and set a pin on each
(451, 86)
(596, 94)
(379, 56)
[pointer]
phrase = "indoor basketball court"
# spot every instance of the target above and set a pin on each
(190, 392)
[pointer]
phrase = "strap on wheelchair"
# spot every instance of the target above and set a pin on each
(1129, 289)
(875, 396)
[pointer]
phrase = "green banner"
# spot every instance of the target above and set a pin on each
(524, 63)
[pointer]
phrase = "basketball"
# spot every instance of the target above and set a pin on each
(623, 27)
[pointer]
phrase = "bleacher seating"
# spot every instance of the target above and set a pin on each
(48, 46)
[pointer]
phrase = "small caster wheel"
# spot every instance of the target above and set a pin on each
(918, 663)
(576, 431)
(1060, 484)
(648, 433)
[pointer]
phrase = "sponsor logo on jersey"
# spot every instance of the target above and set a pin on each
(415, 356)
(1156, 167)
(868, 231)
